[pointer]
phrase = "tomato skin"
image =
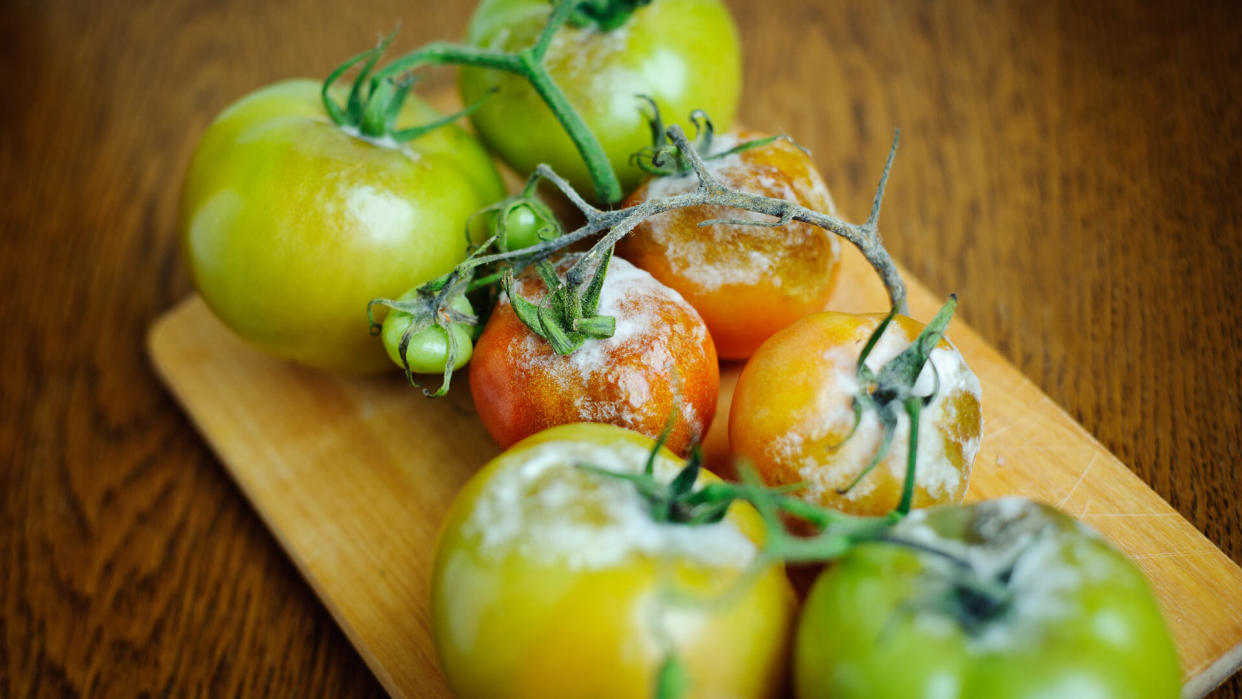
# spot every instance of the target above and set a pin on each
(515, 612)
(793, 407)
(746, 281)
(427, 350)
(1083, 621)
(682, 53)
(521, 386)
(290, 226)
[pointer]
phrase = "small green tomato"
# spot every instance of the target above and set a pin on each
(520, 227)
(427, 352)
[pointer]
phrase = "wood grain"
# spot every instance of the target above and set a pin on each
(1069, 168)
(358, 510)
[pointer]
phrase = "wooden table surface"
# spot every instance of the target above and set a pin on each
(1069, 168)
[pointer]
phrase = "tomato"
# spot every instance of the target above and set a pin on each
(517, 222)
(660, 356)
(427, 350)
(552, 581)
(793, 408)
(746, 281)
(682, 53)
(290, 225)
(1043, 608)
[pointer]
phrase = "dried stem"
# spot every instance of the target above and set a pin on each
(710, 192)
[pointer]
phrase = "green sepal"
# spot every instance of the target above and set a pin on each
(525, 311)
(604, 15)
(597, 327)
(590, 299)
(561, 341)
(662, 158)
(428, 305)
(689, 473)
(415, 132)
(889, 421)
(672, 680)
(904, 369)
(375, 101)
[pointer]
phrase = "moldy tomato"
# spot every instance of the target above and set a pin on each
(291, 225)
(793, 409)
(1022, 601)
(660, 357)
(682, 53)
(746, 281)
(553, 581)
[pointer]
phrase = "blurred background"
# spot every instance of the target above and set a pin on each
(1068, 168)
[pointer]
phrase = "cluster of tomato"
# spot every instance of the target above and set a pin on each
(588, 560)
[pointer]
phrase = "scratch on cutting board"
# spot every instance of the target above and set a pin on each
(1135, 514)
(991, 433)
(1174, 554)
(1082, 476)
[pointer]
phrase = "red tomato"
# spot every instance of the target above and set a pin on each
(793, 407)
(660, 349)
(746, 281)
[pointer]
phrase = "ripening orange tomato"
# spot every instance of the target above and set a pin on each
(746, 281)
(661, 355)
(793, 408)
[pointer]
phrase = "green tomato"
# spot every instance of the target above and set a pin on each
(427, 351)
(682, 53)
(1050, 610)
(552, 581)
(290, 225)
(521, 225)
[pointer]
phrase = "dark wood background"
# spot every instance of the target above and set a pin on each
(1070, 168)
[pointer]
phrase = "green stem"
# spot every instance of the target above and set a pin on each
(607, 186)
(528, 64)
(443, 53)
(913, 408)
(482, 282)
(560, 14)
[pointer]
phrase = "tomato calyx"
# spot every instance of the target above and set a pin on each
(567, 316)
(372, 107)
(664, 158)
(430, 305)
(676, 502)
(893, 387)
(605, 15)
(373, 93)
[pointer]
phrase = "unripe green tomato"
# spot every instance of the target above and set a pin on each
(522, 226)
(1069, 615)
(290, 225)
(427, 351)
(684, 54)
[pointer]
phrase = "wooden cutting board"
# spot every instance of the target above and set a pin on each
(353, 476)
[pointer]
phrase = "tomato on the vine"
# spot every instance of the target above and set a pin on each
(427, 350)
(793, 416)
(659, 359)
(551, 580)
(1005, 598)
(747, 281)
(682, 53)
(291, 224)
